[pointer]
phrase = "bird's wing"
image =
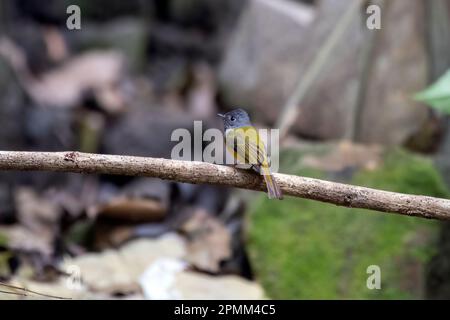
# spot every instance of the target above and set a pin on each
(247, 146)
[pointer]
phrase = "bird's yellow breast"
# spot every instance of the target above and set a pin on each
(246, 145)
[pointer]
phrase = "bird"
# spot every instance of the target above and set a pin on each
(246, 146)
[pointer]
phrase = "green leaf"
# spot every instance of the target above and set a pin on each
(437, 95)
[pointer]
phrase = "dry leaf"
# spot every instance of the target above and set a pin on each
(65, 86)
(95, 71)
(39, 223)
(193, 285)
(143, 200)
(168, 279)
(133, 209)
(119, 270)
(209, 241)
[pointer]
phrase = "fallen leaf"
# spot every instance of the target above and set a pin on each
(118, 271)
(65, 86)
(158, 280)
(169, 278)
(39, 222)
(143, 200)
(197, 286)
(209, 241)
(94, 71)
(133, 209)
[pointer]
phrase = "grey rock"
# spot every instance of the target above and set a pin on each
(274, 43)
(146, 131)
(49, 128)
(399, 69)
(11, 110)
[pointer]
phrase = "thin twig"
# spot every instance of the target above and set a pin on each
(28, 291)
(14, 293)
(201, 172)
(368, 55)
(290, 110)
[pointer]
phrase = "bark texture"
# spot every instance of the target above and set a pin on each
(201, 172)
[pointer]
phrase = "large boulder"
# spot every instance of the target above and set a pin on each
(360, 93)
(398, 70)
(274, 44)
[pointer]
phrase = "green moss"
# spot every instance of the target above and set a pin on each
(405, 172)
(3, 240)
(4, 256)
(302, 249)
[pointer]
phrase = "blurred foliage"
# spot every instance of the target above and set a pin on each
(438, 94)
(4, 266)
(4, 256)
(3, 240)
(302, 249)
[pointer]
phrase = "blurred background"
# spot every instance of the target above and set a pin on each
(368, 107)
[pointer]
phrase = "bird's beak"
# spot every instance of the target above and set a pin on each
(221, 115)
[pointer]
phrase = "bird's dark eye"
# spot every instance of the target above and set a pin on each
(233, 118)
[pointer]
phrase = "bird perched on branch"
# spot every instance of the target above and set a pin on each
(244, 143)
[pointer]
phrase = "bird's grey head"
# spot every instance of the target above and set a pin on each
(235, 119)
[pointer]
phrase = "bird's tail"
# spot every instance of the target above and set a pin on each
(273, 190)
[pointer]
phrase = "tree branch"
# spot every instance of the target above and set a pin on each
(201, 172)
(290, 110)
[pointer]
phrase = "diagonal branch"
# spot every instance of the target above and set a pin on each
(22, 291)
(201, 172)
(290, 110)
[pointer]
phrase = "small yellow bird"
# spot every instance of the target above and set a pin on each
(244, 143)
